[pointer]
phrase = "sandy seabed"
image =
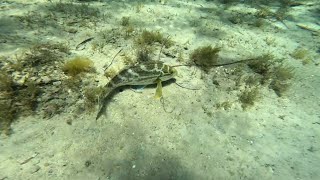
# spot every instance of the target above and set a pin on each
(194, 134)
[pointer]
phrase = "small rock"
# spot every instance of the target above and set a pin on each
(21, 81)
(46, 79)
(33, 78)
(38, 81)
(87, 163)
(34, 168)
(72, 30)
(163, 2)
(57, 83)
(46, 164)
(169, 53)
(69, 121)
(27, 75)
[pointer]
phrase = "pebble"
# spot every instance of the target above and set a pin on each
(21, 81)
(57, 83)
(38, 81)
(34, 168)
(46, 79)
(33, 78)
(72, 30)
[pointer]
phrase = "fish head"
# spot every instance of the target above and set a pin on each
(167, 72)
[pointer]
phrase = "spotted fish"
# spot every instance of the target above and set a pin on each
(151, 72)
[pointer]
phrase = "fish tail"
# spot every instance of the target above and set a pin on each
(102, 102)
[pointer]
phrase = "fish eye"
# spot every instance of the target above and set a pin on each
(172, 71)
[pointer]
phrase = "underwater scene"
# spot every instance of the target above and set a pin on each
(160, 89)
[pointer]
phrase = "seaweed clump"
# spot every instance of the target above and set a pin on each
(262, 65)
(248, 97)
(41, 55)
(83, 11)
(145, 44)
(303, 55)
(7, 115)
(26, 83)
(7, 111)
(205, 57)
(148, 38)
(143, 55)
(281, 79)
(6, 83)
(127, 27)
(15, 100)
(77, 65)
(22, 81)
(125, 21)
(110, 73)
(91, 95)
(28, 98)
(273, 72)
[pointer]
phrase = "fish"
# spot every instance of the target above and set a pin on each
(145, 73)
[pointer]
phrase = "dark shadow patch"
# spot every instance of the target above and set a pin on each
(126, 153)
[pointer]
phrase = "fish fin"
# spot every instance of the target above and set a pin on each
(103, 101)
(101, 109)
(138, 89)
(158, 94)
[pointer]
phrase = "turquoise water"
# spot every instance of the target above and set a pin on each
(237, 98)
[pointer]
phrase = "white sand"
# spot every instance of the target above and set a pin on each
(277, 138)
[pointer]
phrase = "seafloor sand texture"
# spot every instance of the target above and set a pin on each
(229, 122)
